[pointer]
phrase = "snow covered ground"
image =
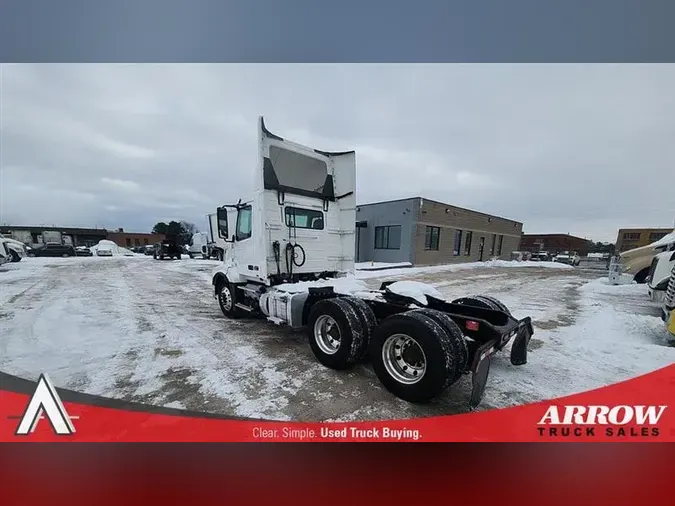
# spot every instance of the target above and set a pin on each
(151, 331)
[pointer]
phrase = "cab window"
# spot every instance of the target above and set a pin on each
(244, 223)
(304, 218)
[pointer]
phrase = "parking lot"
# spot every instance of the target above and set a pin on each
(150, 331)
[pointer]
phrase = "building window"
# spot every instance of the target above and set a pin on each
(128, 241)
(499, 245)
(137, 242)
(431, 238)
(388, 237)
(467, 244)
(145, 241)
(655, 236)
(631, 236)
(458, 243)
(304, 218)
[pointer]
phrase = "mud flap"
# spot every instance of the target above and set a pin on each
(520, 343)
(480, 370)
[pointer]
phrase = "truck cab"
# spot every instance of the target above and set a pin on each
(300, 222)
(668, 307)
(635, 264)
(659, 275)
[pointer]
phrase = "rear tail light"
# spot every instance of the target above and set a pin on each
(472, 325)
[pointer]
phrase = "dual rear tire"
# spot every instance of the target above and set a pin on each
(415, 354)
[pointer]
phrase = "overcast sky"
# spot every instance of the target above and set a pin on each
(583, 149)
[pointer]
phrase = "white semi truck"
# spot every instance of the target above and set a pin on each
(216, 244)
(668, 307)
(291, 260)
(659, 275)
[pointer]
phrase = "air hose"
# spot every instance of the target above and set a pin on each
(276, 248)
(292, 257)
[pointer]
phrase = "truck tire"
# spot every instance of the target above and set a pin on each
(413, 356)
(496, 303)
(459, 348)
(368, 322)
(483, 301)
(227, 299)
(641, 276)
(335, 333)
(15, 256)
(191, 255)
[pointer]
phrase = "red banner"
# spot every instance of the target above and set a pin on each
(634, 410)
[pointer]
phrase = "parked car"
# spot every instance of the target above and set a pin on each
(541, 256)
(104, 250)
(5, 256)
(16, 249)
(149, 250)
(168, 248)
(54, 250)
(568, 257)
(521, 256)
(83, 251)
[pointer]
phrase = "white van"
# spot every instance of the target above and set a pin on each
(198, 246)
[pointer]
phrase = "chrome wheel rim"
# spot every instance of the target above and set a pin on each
(226, 298)
(327, 334)
(404, 359)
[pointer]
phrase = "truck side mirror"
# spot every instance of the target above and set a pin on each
(222, 222)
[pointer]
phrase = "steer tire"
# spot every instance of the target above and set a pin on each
(368, 323)
(456, 339)
(351, 333)
(227, 300)
(15, 256)
(429, 335)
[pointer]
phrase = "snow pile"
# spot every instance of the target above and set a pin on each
(345, 286)
(355, 287)
(112, 247)
(415, 290)
(461, 267)
(603, 286)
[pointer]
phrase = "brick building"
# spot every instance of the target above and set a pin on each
(132, 239)
(555, 243)
(631, 238)
(79, 236)
(426, 232)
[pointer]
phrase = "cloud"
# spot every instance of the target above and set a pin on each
(121, 184)
(584, 149)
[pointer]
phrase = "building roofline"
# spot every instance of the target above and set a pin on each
(36, 228)
(443, 204)
(386, 202)
(638, 229)
(557, 235)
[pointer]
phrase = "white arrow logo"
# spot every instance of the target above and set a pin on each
(45, 400)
